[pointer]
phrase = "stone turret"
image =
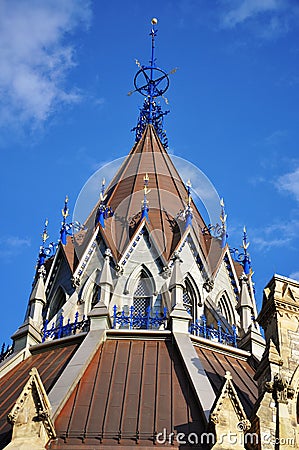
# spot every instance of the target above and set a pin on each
(278, 374)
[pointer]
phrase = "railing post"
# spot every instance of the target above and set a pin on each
(60, 327)
(148, 310)
(204, 326)
(131, 317)
(235, 335)
(219, 332)
(45, 330)
(75, 325)
(114, 315)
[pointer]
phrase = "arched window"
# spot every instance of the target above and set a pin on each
(95, 295)
(189, 300)
(142, 294)
(57, 302)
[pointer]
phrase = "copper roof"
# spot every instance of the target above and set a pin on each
(132, 389)
(166, 199)
(49, 361)
(216, 363)
(69, 252)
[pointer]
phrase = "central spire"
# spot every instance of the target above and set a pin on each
(151, 82)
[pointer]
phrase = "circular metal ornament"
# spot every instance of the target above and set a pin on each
(151, 80)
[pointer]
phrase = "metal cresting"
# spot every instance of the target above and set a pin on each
(60, 329)
(132, 318)
(5, 351)
(244, 257)
(200, 328)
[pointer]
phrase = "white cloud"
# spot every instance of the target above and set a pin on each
(276, 137)
(267, 19)
(275, 235)
(240, 11)
(266, 243)
(35, 56)
(289, 183)
(12, 246)
(294, 276)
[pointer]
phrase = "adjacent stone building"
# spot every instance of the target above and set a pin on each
(142, 326)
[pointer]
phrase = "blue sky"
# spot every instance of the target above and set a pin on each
(65, 69)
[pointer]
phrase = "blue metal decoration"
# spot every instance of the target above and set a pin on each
(218, 231)
(188, 210)
(61, 330)
(243, 257)
(6, 351)
(68, 229)
(146, 190)
(151, 82)
(200, 328)
(104, 211)
(45, 252)
(187, 213)
(65, 214)
(136, 319)
(223, 218)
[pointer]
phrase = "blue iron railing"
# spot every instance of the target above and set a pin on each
(136, 319)
(61, 330)
(200, 328)
(6, 351)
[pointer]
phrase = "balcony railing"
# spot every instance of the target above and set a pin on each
(219, 334)
(134, 319)
(60, 330)
(5, 351)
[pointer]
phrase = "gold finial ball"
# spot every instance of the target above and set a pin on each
(154, 21)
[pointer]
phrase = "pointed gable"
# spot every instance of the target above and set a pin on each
(31, 416)
(167, 198)
(228, 414)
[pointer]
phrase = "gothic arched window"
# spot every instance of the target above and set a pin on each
(224, 308)
(95, 295)
(142, 294)
(189, 300)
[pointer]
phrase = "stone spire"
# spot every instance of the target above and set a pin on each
(176, 283)
(38, 298)
(105, 281)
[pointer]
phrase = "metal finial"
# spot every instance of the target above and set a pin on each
(65, 214)
(42, 254)
(188, 213)
(246, 259)
(144, 203)
(151, 82)
(104, 211)
(223, 218)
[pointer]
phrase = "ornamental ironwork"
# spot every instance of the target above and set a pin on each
(57, 331)
(243, 257)
(218, 231)
(6, 351)
(133, 318)
(151, 82)
(218, 334)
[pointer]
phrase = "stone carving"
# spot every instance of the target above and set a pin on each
(208, 285)
(280, 389)
(31, 416)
